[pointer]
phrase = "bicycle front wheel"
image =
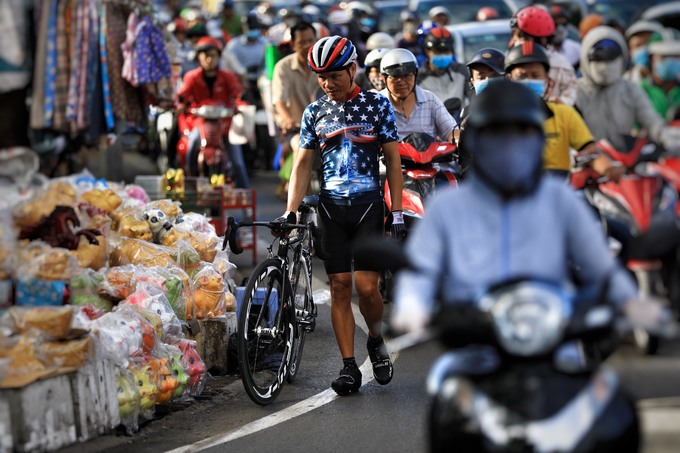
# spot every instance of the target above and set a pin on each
(265, 332)
(302, 299)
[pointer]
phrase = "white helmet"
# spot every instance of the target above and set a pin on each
(439, 10)
(338, 17)
(398, 62)
(374, 57)
(380, 40)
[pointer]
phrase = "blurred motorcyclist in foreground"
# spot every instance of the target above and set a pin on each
(507, 221)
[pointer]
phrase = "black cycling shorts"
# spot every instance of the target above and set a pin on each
(340, 225)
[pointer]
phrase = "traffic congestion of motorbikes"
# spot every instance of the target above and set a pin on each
(525, 363)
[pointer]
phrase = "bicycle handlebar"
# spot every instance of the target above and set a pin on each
(233, 226)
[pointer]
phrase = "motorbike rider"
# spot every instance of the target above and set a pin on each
(372, 70)
(206, 82)
(244, 55)
(376, 41)
(535, 24)
(611, 105)
(350, 202)
(663, 84)
(637, 36)
(529, 64)
(561, 42)
(440, 74)
(415, 109)
(486, 13)
(485, 66)
(542, 229)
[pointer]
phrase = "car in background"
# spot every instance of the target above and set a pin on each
(666, 13)
(625, 10)
(389, 12)
(470, 37)
(461, 10)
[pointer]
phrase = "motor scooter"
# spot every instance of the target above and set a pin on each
(427, 165)
(521, 371)
(640, 212)
(212, 119)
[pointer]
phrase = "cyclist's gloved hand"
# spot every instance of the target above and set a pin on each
(287, 217)
(398, 227)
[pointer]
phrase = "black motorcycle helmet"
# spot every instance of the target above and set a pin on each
(438, 39)
(503, 102)
(529, 52)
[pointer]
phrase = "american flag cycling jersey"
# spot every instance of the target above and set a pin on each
(349, 136)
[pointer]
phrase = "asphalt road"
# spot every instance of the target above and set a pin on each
(308, 416)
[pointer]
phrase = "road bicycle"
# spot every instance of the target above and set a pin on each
(277, 310)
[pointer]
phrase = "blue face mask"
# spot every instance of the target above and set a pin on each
(640, 57)
(537, 86)
(480, 85)
(368, 22)
(252, 35)
(510, 163)
(442, 61)
(668, 69)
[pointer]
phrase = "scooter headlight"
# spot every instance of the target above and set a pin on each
(529, 318)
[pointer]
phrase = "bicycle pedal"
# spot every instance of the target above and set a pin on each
(309, 323)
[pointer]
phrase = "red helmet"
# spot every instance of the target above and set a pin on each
(207, 43)
(486, 13)
(534, 21)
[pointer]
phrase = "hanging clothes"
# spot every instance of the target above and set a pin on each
(38, 98)
(63, 64)
(145, 57)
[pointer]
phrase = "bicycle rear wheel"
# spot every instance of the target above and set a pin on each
(265, 332)
(302, 299)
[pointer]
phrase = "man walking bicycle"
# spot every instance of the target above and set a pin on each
(349, 128)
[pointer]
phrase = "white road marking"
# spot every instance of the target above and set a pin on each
(288, 413)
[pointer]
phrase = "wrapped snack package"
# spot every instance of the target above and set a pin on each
(7, 245)
(177, 365)
(153, 299)
(195, 366)
(84, 290)
(134, 251)
(123, 212)
(73, 353)
(106, 200)
(83, 315)
(226, 267)
(23, 357)
(120, 334)
(129, 399)
(89, 255)
(164, 378)
(136, 228)
(209, 293)
(137, 193)
(118, 282)
(187, 258)
(193, 221)
(229, 302)
(170, 208)
(145, 386)
(52, 323)
(54, 264)
(204, 244)
(59, 193)
(178, 290)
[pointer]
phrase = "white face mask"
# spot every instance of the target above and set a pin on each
(605, 73)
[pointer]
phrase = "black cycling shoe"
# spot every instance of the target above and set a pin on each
(348, 382)
(380, 359)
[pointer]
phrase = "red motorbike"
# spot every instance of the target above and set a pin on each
(427, 166)
(640, 212)
(210, 156)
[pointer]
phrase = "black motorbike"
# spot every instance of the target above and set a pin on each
(523, 369)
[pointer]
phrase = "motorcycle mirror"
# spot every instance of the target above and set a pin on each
(453, 105)
(381, 254)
